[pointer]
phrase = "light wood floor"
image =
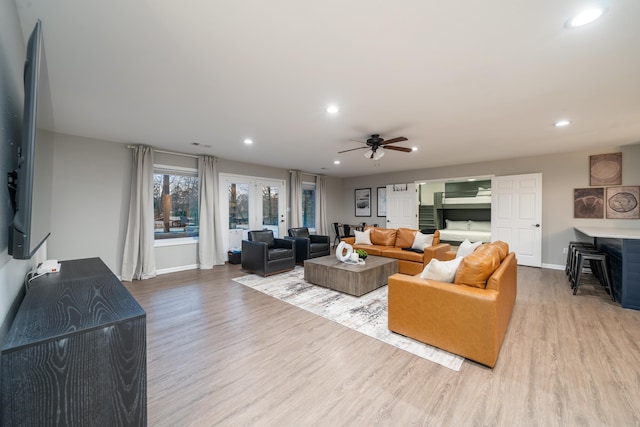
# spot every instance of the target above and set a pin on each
(223, 354)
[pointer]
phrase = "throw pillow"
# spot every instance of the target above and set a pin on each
(363, 237)
(456, 225)
(476, 268)
(480, 225)
(467, 248)
(441, 271)
(421, 241)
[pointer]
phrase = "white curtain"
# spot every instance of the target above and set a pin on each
(295, 178)
(321, 221)
(139, 259)
(210, 248)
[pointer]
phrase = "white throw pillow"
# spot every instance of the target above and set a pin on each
(457, 225)
(467, 248)
(441, 271)
(363, 237)
(480, 225)
(421, 241)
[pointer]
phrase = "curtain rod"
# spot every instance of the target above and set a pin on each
(169, 152)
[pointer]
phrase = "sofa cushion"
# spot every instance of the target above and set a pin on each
(363, 237)
(476, 268)
(383, 236)
(399, 253)
(263, 236)
(503, 248)
(441, 271)
(421, 241)
(405, 237)
(466, 248)
(279, 253)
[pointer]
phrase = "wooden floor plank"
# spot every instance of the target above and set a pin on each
(220, 353)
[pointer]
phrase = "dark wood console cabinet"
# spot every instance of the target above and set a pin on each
(75, 354)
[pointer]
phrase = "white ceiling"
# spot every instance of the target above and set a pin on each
(464, 81)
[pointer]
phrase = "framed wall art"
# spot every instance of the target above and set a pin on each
(588, 203)
(622, 202)
(605, 169)
(363, 201)
(382, 201)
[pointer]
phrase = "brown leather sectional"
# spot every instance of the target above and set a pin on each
(468, 317)
(389, 242)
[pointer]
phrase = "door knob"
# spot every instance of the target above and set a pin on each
(536, 225)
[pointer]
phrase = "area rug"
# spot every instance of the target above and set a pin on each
(366, 314)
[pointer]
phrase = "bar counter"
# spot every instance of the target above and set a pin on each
(622, 245)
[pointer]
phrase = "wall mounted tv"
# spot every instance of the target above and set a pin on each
(30, 184)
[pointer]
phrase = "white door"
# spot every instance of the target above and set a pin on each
(250, 203)
(516, 215)
(402, 206)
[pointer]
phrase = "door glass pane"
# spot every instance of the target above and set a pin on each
(238, 206)
(270, 208)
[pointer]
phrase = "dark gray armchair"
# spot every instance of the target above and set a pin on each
(266, 255)
(309, 245)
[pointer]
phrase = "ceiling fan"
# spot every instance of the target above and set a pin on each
(376, 146)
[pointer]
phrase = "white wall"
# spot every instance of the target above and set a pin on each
(561, 174)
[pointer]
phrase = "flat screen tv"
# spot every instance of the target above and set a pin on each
(32, 179)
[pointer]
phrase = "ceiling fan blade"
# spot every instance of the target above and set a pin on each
(404, 149)
(392, 140)
(359, 148)
(357, 140)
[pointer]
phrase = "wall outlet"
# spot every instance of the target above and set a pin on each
(565, 250)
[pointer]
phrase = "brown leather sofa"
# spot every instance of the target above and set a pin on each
(464, 317)
(389, 242)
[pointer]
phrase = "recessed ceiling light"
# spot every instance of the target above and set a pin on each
(562, 123)
(248, 141)
(336, 162)
(332, 109)
(585, 17)
(414, 148)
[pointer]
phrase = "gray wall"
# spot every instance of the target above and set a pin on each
(91, 180)
(561, 174)
(91, 183)
(12, 55)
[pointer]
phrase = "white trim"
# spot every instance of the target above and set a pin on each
(553, 266)
(177, 269)
(176, 241)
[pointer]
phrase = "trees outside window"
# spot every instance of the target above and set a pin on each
(309, 205)
(175, 204)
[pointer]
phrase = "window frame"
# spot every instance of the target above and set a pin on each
(159, 168)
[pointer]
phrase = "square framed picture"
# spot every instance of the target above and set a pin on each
(382, 201)
(622, 202)
(605, 169)
(588, 203)
(363, 201)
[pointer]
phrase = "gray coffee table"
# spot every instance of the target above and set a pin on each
(352, 279)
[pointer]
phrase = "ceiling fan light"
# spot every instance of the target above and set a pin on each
(377, 155)
(368, 154)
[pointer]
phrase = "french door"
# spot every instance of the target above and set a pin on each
(251, 203)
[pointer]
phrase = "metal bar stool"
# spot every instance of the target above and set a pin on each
(599, 267)
(571, 254)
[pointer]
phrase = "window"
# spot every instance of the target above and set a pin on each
(309, 205)
(175, 203)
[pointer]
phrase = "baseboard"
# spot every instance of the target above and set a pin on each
(553, 266)
(176, 269)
